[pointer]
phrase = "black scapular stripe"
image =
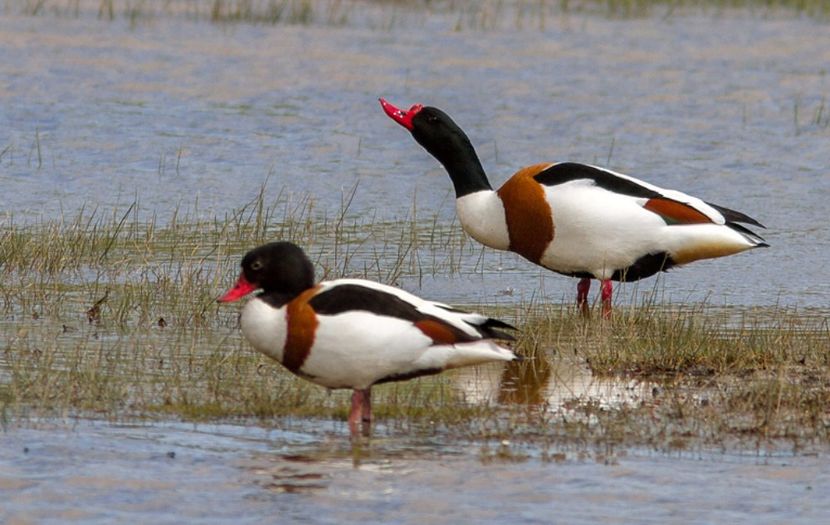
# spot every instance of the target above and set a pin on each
(348, 297)
(568, 171)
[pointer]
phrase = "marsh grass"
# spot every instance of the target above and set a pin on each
(114, 316)
(651, 339)
(718, 375)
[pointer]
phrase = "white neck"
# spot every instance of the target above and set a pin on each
(264, 327)
(482, 217)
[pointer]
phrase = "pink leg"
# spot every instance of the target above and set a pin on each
(607, 291)
(367, 411)
(361, 411)
(355, 414)
(582, 295)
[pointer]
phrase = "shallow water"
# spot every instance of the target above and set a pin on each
(173, 112)
(96, 472)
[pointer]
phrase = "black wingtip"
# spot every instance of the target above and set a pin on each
(749, 234)
(736, 216)
(494, 328)
(496, 323)
(746, 219)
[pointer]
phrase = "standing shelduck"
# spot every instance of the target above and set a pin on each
(352, 333)
(576, 219)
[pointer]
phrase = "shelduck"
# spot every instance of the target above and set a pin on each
(576, 219)
(353, 333)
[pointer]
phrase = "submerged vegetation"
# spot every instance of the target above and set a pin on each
(462, 14)
(115, 317)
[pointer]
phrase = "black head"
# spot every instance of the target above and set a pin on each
(446, 141)
(432, 128)
(279, 268)
(440, 135)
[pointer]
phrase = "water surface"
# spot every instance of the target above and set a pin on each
(96, 472)
(175, 113)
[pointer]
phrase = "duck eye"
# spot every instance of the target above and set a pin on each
(256, 265)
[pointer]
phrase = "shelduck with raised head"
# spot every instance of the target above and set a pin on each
(576, 219)
(353, 333)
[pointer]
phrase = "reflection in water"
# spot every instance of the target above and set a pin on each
(315, 466)
(523, 383)
(559, 387)
(289, 473)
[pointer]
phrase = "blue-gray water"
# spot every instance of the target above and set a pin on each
(177, 113)
(181, 473)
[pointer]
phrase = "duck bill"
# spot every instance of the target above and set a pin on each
(242, 288)
(404, 118)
